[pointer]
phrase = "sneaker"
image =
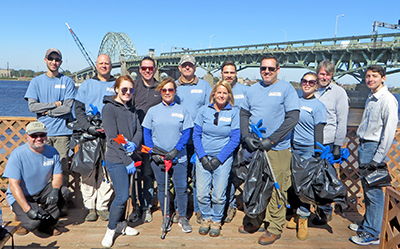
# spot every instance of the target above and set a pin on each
(166, 224)
(205, 227)
(198, 217)
(108, 239)
(292, 224)
(302, 228)
(215, 229)
(353, 227)
(147, 216)
(230, 214)
(128, 230)
(92, 216)
(365, 239)
(103, 214)
(184, 223)
(176, 217)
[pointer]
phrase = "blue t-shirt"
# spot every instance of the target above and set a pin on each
(32, 169)
(167, 124)
(239, 92)
(215, 137)
(312, 112)
(192, 97)
(92, 92)
(271, 103)
(46, 90)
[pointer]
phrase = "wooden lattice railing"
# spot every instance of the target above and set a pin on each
(390, 234)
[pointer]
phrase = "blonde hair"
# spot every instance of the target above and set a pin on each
(225, 84)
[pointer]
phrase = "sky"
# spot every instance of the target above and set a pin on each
(29, 28)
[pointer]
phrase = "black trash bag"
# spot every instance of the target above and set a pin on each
(315, 181)
(378, 176)
(258, 186)
(241, 163)
(87, 157)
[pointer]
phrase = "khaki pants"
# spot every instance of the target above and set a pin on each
(61, 143)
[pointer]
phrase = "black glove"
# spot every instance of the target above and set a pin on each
(372, 165)
(206, 163)
(215, 163)
(53, 197)
(38, 214)
(157, 159)
(93, 131)
(266, 144)
(252, 144)
(336, 152)
(172, 154)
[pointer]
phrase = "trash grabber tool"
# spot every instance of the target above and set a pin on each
(166, 222)
(131, 182)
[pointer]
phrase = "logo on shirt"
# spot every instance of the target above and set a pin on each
(179, 115)
(309, 109)
(276, 94)
(239, 96)
(110, 89)
(59, 86)
(48, 163)
(196, 91)
(225, 119)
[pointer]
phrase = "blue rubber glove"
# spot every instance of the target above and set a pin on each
(129, 146)
(325, 150)
(131, 169)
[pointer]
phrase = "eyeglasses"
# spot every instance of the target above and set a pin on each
(270, 69)
(165, 90)
(36, 135)
(309, 82)
(54, 59)
(145, 68)
(124, 90)
(216, 115)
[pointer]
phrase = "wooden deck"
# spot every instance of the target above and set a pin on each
(80, 234)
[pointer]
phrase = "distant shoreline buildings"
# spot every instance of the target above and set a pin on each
(5, 73)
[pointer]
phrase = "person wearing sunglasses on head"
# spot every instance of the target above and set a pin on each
(35, 192)
(307, 132)
(96, 193)
(120, 117)
(216, 135)
(167, 128)
(336, 102)
(192, 93)
(276, 103)
(146, 96)
(51, 96)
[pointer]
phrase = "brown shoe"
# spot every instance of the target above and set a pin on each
(302, 229)
(250, 228)
(22, 231)
(292, 224)
(268, 238)
(56, 232)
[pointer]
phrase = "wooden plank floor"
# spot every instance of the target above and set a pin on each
(80, 234)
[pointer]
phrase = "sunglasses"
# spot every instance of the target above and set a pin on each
(309, 82)
(124, 90)
(54, 59)
(270, 69)
(34, 136)
(165, 90)
(145, 68)
(216, 115)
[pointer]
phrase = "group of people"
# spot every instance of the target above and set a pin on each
(184, 129)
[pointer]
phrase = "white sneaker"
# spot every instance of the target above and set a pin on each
(128, 230)
(108, 239)
(365, 239)
(147, 216)
(353, 227)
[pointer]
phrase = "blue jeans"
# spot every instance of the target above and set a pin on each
(373, 196)
(120, 179)
(179, 177)
(212, 206)
(305, 152)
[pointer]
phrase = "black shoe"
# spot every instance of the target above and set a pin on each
(322, 219)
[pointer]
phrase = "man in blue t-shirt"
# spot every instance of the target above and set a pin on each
(35, 192)
(51, 96)
(96, 193)
(192, 93)
(277, 104)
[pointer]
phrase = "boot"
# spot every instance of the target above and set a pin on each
(302, 228)
(292, 224)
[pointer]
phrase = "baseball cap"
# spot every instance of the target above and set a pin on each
(35, 127)
(187, 58)
(52, 50)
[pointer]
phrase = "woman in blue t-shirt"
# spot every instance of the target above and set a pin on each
(216, 135)
(307, 132)
(166, 129)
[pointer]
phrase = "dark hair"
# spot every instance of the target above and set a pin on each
(118, 82)
(165, 81)
(376, 69)
(228, 63)
(270, 56)
(309, 73)
(148, 58)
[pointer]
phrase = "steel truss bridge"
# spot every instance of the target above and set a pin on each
(352, 55)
